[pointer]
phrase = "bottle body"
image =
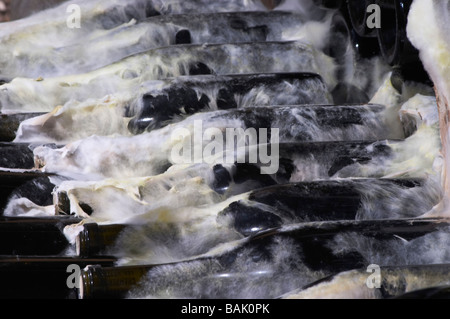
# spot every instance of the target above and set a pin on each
(188, 95)
(17, 185)
(16, 156)
(409, 281)
(30, 236)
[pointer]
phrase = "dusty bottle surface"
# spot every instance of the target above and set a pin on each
(308, 252)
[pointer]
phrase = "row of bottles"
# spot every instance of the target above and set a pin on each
(269, 263)
(331, 160)
(271, 233)
(245, 215)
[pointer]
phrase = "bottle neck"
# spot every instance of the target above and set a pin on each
(110, 282)
(95, 239)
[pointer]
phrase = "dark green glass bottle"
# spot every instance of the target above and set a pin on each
(9, 123)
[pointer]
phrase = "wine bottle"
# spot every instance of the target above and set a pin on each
(19, 177)
(16, 156)
(246, 215)
(29, 236)
(34, 185)
(9, 124)
(392, 36)
(162, 31)
(416, 281)
(323, 118)
(205, 6)
(164, 62)
(159, 103)
(297, 254)
(395, 46)
(278, 205)
(52, 236)
(350, 38)
(149, 30)
(102, 14)
(160, 149)
(220, 27)
(94, 239)
(349, 50)
(40, 278)
(184, 96)
(210, 183)
(206, 184)
(305, 161)
(99, 17)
